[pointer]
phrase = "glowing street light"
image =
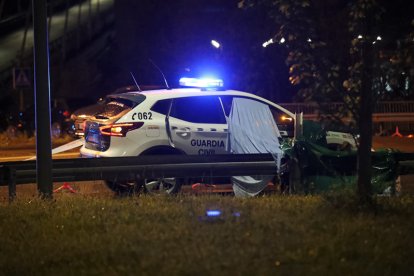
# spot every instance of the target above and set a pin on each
(271, 41)
(267, 43)
(215, 44)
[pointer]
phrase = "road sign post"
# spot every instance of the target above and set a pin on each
(21, 80)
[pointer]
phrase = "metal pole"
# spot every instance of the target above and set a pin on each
(21, 100)
(42, 99)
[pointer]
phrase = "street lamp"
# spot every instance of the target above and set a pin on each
(215, 44)
(267, 43)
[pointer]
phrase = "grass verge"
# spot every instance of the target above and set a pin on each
(146, 235)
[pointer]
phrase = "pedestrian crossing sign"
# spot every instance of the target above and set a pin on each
(21, 77)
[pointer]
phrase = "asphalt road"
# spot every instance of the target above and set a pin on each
(29, 153)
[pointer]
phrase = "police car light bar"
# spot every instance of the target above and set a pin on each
(202, 83)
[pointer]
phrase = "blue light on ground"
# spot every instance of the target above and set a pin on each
(213, 213)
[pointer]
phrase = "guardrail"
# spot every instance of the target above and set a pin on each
(124, 168)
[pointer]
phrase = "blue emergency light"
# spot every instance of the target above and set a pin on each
(213, 213)
(201, 82)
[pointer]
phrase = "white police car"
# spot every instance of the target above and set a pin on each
(167, 121)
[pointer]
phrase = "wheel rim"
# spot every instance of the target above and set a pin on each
(161, 185)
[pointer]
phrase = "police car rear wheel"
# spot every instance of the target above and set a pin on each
(151, 186)
(162, 185)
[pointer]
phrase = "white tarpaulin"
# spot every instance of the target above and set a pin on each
(252, 129)
(65, 147)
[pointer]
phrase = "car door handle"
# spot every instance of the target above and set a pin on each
(183, 132)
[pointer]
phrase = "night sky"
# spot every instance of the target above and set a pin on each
(176, 35)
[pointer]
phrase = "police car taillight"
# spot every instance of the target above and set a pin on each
(119, 130)
(84, 126)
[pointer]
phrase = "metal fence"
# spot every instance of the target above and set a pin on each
(387, 116)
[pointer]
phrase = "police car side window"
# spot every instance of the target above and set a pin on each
(201, 109)
(162, 106)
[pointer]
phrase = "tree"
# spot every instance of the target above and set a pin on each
(335, 52)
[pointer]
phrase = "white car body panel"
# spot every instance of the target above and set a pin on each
(190, 138)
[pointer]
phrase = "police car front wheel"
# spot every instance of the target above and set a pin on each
(122, 188)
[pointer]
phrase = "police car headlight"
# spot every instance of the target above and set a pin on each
(284, 118)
